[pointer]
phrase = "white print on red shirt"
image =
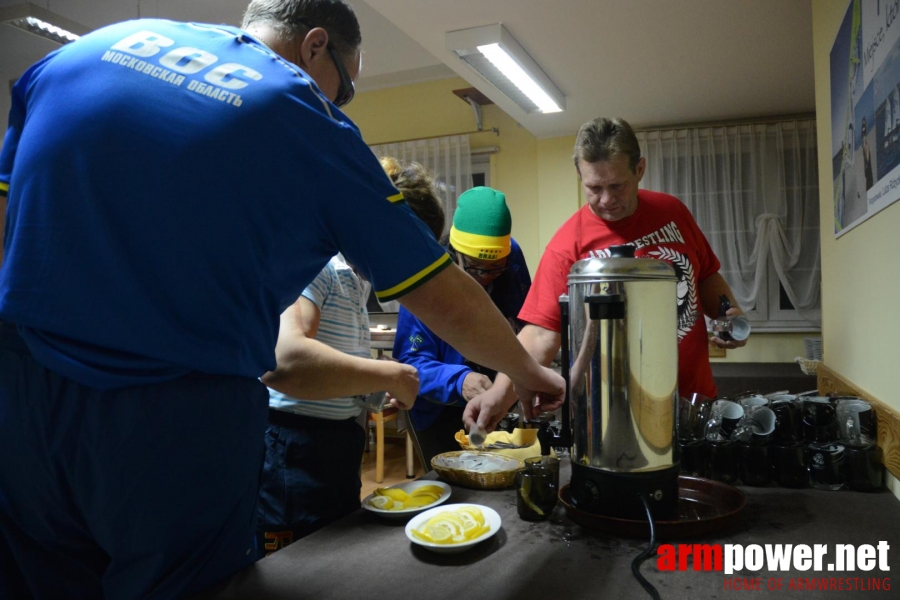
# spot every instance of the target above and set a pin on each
(688, 306)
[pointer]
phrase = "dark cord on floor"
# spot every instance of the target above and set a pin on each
(640, 558)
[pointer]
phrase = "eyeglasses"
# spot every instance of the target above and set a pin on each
(346, 89)
(482, 272)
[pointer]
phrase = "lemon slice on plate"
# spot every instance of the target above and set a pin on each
(477, 532)
(429, 496)
(392, 493)
(448, 522)
(419, 501)
(434, 490)
(381, 502)
(471, 517)
(440, 534)
(454, 527)
(403, 500)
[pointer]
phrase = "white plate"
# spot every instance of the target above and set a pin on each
(409, 488)
(491, 519)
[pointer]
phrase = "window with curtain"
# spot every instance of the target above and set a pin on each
(753, 190)
(449, 160)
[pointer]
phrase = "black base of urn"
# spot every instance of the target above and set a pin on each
(618, 495)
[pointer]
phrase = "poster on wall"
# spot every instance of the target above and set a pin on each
(865, 112)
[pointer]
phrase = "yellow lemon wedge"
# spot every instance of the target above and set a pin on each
(381, 502)
(473, 512)
(439, 535)
(422, 536)
(392, 493)
(418, 501)
(477, 532)
(447, 516)
(453, 527)
(429, 489)
(525, 492)
(425, 495)
(450, 522)
(469, 523)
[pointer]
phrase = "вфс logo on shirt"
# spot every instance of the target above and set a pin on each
(175, 65)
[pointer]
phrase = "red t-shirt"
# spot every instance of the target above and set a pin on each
(663, 228)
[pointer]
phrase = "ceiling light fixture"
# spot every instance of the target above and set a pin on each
(42, 22)
(495, 55)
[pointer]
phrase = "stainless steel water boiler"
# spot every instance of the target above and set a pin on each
(620, 344)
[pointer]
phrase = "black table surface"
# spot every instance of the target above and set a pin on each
(365, 556)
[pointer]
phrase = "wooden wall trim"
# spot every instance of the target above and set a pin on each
(829, 381)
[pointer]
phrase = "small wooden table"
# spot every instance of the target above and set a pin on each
(382, 339)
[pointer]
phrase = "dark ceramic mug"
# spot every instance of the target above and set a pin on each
(864, 469)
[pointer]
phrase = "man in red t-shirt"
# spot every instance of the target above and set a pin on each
(609, 163)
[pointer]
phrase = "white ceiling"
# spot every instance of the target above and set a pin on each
(652, 62)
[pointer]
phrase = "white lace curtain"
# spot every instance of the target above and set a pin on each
(449, 160)
(754, 192)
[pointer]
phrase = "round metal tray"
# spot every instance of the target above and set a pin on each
(704, 507)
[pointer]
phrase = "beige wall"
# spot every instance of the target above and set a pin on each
(769, 347)
(537, 176)
(431, 108)
(558, 187)
(861, 270)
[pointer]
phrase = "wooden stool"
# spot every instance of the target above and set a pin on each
(389, 414)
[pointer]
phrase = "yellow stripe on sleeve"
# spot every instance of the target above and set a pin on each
(415, 281)
(4, 188)
(396, 198)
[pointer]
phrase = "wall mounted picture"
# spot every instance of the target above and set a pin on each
(865, 112)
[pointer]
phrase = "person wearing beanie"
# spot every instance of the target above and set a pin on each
(481, 225)
(481, 244)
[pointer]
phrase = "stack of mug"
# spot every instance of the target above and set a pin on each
(793, 441)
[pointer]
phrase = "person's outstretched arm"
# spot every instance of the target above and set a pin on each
(458, 310)
(312, 370)
(711, 289)
(488, 408)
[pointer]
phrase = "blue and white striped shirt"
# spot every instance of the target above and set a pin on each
(341, 297)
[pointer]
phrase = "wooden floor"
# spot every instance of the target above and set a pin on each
(394, 466)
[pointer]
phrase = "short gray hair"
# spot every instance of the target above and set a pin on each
(604, 139)
(294, 18)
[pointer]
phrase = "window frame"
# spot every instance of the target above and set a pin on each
(481, 165)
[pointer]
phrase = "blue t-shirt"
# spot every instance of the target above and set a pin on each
(172, 187)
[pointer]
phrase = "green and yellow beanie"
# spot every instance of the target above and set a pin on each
(481, 224)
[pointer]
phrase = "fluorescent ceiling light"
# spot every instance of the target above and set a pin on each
(503, 61)
(42, 22)
(495, 55)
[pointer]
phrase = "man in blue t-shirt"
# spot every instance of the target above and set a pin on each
(171, 188)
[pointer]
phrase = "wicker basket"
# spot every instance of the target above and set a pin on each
(809, 367)
(487, 481)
